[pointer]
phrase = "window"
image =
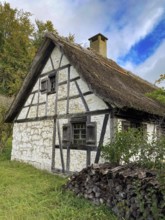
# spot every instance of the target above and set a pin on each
(133, 124)
(44, 85)
(52, 83)
(48, 85)
(160, 130)
(79, 132)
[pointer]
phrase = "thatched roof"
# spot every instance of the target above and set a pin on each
(116, 86)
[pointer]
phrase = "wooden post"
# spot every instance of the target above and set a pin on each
(101, 137)
(60, 145)
(53, 145)
(68, 91)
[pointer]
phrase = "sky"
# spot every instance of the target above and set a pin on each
(135, 29)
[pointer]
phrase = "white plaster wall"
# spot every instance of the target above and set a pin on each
(62, 91)
(63, 74)
(32, 143)
(36, 86)
(78, 158)
(64, 61)
(95, 103)
(151, 131)
(73, 72)
(61, 107)
(83, 85)
(99, 121)
(32, 112)
(76, 106)
(56, 57)
(51, 104)
(23, 113)
(73, 89)
(58, 164)
(48, 67)
(28, 101)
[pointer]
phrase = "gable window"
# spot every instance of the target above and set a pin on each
(79, 132)
(48, 85)
(44, 85)
(52, 83)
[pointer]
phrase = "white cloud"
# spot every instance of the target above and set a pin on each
(152, 67)
(124, 22)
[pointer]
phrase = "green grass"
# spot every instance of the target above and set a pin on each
(27, 193)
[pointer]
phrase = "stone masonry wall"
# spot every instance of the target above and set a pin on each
(32, 143)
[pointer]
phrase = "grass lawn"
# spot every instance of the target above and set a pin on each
(27, 193)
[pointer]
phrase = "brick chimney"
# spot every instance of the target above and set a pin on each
(99, 44)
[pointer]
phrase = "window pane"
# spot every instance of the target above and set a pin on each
(79, 133)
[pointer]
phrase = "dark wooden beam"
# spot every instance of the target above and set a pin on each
(35, 91)
(39, 82)
(30, 106)
(68, 92)
(54, 70)
(75, 96)
(103, 130)
(68, 158)
(57, 79)
(52, 62)
(53, 144)
(88, 155)
(82, 97)
(97, 112)
(71, 80)
(35, 119)
(60, 146)
(84, 148)
(37, 104)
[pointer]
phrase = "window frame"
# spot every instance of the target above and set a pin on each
(50, 77)
(90, 133)
(78, 131)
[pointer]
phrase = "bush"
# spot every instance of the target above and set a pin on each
(132, 146)
(5, 129)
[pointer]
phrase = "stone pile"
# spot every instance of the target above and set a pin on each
(131, 192)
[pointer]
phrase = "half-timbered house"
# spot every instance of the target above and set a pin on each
(70, 103)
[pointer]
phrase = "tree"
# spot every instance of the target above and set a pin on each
(16, 48)
(41, 29)
(19, 41)
(158, 94)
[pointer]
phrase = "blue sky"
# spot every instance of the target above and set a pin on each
(135, 29)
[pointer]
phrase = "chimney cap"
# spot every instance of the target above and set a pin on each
(96, 36)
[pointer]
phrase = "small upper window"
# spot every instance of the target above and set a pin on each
(48, 85)
(52, 83)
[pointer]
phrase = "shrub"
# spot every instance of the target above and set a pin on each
(5, 129)
(132, 146)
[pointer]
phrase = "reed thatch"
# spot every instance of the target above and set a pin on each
(115, 85)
